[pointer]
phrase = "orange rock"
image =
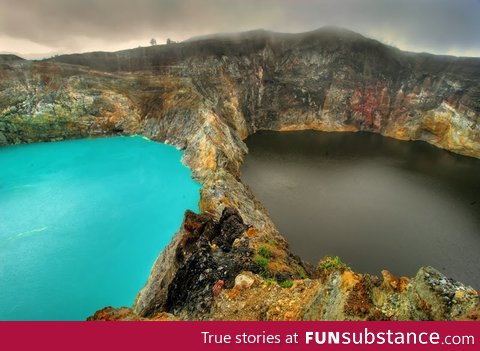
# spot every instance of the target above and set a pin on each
(394, 282)
(233, 293)
(251, 231)
(404, 281)
(349, 280)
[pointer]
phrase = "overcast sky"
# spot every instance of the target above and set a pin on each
(39, 28)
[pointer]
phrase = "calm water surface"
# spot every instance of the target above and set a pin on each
(376, 202)
(81, 223)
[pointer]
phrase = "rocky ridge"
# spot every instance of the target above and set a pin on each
(205, 96)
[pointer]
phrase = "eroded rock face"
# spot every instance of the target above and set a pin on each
(205, 257)
(206, 263)
(205, 96)
(427, 296)
(201, 255)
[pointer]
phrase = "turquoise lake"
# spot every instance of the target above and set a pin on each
(82, 222)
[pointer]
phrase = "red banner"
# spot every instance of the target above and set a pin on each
(211, 336)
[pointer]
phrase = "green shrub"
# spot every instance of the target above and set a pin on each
(301, 272)
(270, 281)
(265, 252)
(261, 261)
(286, 284)
(330, 263)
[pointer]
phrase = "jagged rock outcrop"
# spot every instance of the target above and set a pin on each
(204, 258)
(205, 96)
(201, 255)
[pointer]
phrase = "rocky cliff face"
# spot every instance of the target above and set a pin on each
(205, 96)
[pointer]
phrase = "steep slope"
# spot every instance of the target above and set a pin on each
(329, 79)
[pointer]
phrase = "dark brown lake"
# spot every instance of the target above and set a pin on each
(376, 202)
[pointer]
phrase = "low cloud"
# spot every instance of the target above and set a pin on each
(440, 26)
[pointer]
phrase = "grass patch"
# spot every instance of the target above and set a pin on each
(270, 281)
(272, 243)
(262, 257)
(331, 263)
(301, 272)
(265, 252)
(286, 284)
(261, 261)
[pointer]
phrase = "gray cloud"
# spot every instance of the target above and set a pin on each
(441, 26)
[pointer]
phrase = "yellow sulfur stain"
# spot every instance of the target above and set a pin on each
(349, 280)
